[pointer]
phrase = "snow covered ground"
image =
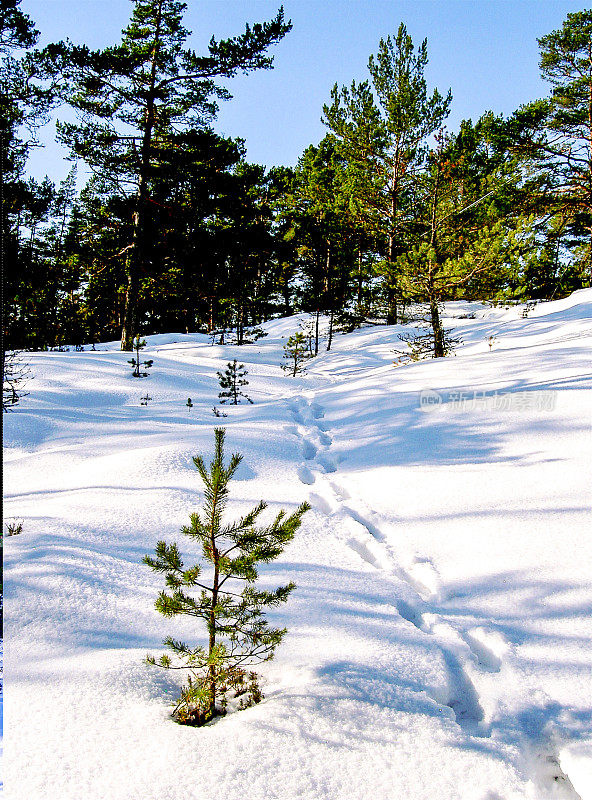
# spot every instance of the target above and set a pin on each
(440, 637)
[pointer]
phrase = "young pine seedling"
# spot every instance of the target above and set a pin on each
(139, 344)
(14, 526)
(222, 592)
(296, 353)
(232, 381)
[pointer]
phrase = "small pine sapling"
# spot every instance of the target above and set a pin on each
(189, 404)
(231, 382)
(224, 596)
(14, 526)
(296, 354)
(253, 334)
(422, 346)
(145, 400)
(15, 373)
(217, 335)
(218, 412)
(307, 328)
(139, 344)
(491, 340)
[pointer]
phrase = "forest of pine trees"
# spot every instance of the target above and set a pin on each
(175, 230)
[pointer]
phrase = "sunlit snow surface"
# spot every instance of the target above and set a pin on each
(440, 639)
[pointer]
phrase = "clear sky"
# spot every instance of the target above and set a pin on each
(486, 51)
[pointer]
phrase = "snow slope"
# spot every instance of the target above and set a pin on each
(440, 637)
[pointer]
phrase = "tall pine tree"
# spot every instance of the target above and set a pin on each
(133, 96)
(555, 134)
(383, 126)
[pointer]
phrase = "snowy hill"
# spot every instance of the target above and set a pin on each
(440, 637)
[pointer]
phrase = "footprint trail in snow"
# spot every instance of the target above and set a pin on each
(466, 650)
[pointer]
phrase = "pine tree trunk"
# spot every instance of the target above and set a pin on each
(439, 351)
(137, 254)
(211, 678)
(330, 296)
(359, 278)
(316, 348)
(391, 294)
(330, 340)
(391, 314)
(212, 682)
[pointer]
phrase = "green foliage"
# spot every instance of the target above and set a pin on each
(138, 372)
(222, 592)
(176, 231)
(296, 354)
(15, 373)
(382, 127)
(421, 346)
(137, 98)
(231, 382)
(29, 280)
(14, 526)
(553, 137)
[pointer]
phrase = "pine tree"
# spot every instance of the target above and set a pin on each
(227, 599)
(139, 344)
(296, 353)
(383, 126)
(15, 373)
(466, 233)
(324, 229)
(135, 97)
(231, 382)
(26, 97)
(554, 135)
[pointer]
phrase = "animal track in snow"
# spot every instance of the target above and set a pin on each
(339, 491)
(306, 427)
(488, 647)
(364, 536)
(324, 438)
(316, 411)
(411, 614)
(322, 503)
(363, 542)
(305, 475)
(309, 451)
(326, 464)
(424, 577)
(462, 695)
(549, 777)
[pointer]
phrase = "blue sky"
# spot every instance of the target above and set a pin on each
(484, 50)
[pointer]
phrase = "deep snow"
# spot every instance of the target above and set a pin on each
(440, 637)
